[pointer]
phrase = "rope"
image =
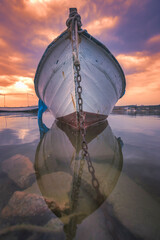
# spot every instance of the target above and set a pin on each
(74, 16)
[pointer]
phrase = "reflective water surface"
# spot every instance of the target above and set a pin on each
(47, 189)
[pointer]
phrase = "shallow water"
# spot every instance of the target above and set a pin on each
(46, 189)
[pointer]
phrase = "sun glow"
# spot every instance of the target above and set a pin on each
(21, 86)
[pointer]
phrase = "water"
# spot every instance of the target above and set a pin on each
(46, 189)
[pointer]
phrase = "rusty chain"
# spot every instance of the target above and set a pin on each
(85, 154)
(76, 185)
(74, 23)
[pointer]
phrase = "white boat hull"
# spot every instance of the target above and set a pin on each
(103, 81)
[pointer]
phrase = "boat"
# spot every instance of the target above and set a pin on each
(19, 109)
(78, 75)
(63, 177)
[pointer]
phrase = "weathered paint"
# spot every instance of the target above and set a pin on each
(74, 105)
(63, 74)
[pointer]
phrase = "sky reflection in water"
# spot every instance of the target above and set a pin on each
(18, 128)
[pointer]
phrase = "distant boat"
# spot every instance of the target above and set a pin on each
(19, 109)
(102, 81)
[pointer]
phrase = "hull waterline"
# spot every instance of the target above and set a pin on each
(90, 119)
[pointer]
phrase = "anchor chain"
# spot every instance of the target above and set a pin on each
(74, 24)
(77, 184)
(84, 145)
(84, 153)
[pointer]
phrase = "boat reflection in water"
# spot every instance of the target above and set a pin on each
(63, 175)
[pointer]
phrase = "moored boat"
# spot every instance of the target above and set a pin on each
(19, 109)
(77, 75)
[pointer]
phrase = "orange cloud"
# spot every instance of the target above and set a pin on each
(136, 62)
(97, 26)
(143, 86)
(16, 84)
(43, 37)
(49, 33)
(15, 59)
(2, 43)
(37, 42)
(154, 39)
(14, 64)
(57, 9)
(17, 91)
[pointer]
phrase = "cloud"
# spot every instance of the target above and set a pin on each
(5, 81)
(15, 59)
(15, 63)
(16, 84)
(154, 39)
(134, 62)
(43, 37)
(143, 83)
(2, 43)
(49, 33)
(45, 9)
(99, 25)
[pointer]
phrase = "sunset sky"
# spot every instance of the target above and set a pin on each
(130, 29)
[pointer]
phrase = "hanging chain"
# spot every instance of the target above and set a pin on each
(80, 115)
(84, 154)
(74, 24)
(76, 184)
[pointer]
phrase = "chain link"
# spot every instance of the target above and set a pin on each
(81, 122)
(84, 153)
(79, 92)
(76, 184)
